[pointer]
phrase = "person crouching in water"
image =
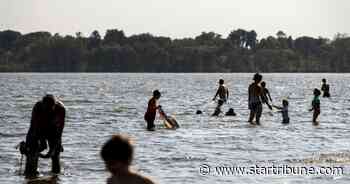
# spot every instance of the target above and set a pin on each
(284, 111)
(223, 94)
(316, 106)
(117, 154)
(151, 112)
(255, 93)
(46, 124)
(266, 95)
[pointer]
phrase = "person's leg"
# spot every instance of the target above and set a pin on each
(150, 124)
(31, 168)
(258, 113)
(252, 114)
(56, 167)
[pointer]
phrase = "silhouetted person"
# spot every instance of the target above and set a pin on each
(151, 112)
(325, 89)
(284, 111)
(223, 94)
(117, 154)
(230, 112)
(255, 93)
(46, 126)
(266, 97)
(316, 106)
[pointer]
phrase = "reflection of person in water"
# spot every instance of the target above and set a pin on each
(117, 154)
(46, 125)
(255, 93)
(223, 94)
(325, 89)
(151, 112)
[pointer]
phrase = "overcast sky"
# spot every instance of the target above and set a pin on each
(178, 18)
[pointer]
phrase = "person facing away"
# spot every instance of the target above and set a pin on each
(266, 97)
(46, 126)
(284, 111)
(316, 105)
(325, 89)
(223, 94)
(151, 112)
(117, 154)
(255, 93)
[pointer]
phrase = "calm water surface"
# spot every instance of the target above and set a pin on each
(99, 105)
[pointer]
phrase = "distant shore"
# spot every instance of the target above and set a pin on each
(208, 52)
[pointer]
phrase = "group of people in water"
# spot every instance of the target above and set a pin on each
(258, 94)
(48, 120)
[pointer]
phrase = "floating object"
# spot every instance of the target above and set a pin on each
(199, 112)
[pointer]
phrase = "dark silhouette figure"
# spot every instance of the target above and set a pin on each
(284, 111)
(255, 93)
(316, 106)
(325, 89)
(117, 154)
(266, 97)
(223, 94)
(230, 112)
(46, 126)
(151, 112)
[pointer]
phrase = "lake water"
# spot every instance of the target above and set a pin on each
(99, 105)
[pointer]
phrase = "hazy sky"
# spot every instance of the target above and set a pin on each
(178, 18)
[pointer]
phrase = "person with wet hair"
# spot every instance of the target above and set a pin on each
(325, 89)
(223, 94)
(316, 106)
(46, 126)
(255, 93)
(151, 112)
(117, 154)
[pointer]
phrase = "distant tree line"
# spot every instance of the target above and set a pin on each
(207, 52)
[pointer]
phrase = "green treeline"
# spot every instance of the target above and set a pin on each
(207, 52)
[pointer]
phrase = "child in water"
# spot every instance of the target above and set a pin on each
(151, 112)
(266, 97)
(117, 154)
(284, 111)
(316, 107)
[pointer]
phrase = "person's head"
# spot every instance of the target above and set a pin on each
(221, 81)
(324, 80)
(257, 77)
(285, 102)
(263, 84)
(156, 94)
(117, 153)
(317, 92)
(49, 102)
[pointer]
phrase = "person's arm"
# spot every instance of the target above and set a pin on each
(277, 107)
(227, 93)
(217, 93)
(268, 93)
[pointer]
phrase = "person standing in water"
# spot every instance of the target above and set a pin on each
(266, 95)
(284, 111)
(325, 89)
(223, 94)
(117, 154)
(151, 112)
(316, 106)
(255, 93)
(47, 123)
